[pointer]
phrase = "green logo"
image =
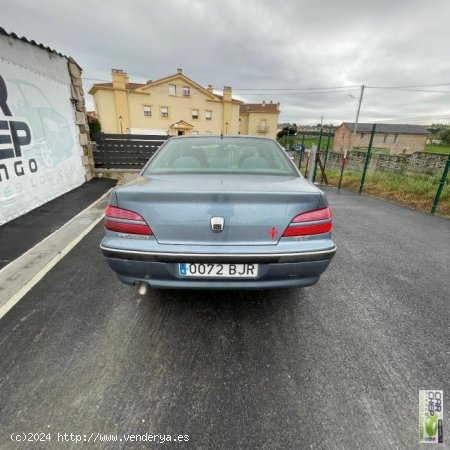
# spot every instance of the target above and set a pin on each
(431, 415)
(431, 425)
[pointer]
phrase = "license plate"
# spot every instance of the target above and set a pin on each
(208, 270)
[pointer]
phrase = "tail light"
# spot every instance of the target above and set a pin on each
(125, 221)
(311, 222)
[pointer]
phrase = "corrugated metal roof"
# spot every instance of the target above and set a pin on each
(36, 44)
(387, 128)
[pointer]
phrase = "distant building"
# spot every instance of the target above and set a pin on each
(259, 119)
(177, 105)
(399, 138)
(315, 129)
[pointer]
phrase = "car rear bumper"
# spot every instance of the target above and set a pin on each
(276, 270)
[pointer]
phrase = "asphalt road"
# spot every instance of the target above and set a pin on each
(337, 365)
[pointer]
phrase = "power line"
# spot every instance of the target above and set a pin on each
(300, 93)
(340, 87)
(296, 89)
(422, 90)
(410, 86)
(315, 88)
(324, 89)
(96, 79)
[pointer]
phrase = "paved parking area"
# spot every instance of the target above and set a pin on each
(21, 234)
(337, 365)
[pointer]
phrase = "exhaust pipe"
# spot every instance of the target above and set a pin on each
(143, 288)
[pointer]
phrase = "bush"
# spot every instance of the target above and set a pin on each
(445, 135)
(94, 127)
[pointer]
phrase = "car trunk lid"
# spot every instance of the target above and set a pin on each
(255, 209)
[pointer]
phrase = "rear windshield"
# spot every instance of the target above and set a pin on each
(217, 155)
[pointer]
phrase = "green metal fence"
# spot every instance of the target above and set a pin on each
(416, 178)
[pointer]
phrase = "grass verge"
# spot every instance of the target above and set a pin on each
(433, 148)
(417, 191)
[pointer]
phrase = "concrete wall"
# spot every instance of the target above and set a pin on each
(50, 155)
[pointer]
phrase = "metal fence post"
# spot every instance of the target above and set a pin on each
(326, 154)
(317, 155)
(303, 139)
(300, 160)
(315, 166)
(343, 163)
(368, 156)
(320, 140)
(441, 186)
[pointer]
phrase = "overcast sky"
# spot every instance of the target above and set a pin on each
(261, 45)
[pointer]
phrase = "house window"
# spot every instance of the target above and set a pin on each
(172, 89)
(147, 111)
(395, 138)
(262, 127)
(195, 113)
(385, 138)
(208, 115)
(362, 135)
(186, 91)
(164, 111)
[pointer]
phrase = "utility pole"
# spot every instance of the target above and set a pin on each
(352, 138)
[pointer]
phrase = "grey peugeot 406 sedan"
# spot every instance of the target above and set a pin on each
(218, 212)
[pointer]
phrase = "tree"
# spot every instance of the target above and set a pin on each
(94, 127)
(445, 135)
(288, 130)
(284, 131)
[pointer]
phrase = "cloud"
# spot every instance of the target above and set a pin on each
(254, 44)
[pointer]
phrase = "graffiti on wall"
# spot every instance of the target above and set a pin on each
(40, 157)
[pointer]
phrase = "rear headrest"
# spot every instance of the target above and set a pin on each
(187, 162)
(254, 162)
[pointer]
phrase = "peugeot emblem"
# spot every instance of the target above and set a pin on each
(217, 223)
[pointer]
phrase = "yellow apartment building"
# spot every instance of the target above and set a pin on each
(259, 119)
(177, 105)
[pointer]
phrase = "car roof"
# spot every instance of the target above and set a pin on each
(219, 136)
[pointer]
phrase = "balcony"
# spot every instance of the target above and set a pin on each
(263, 129)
